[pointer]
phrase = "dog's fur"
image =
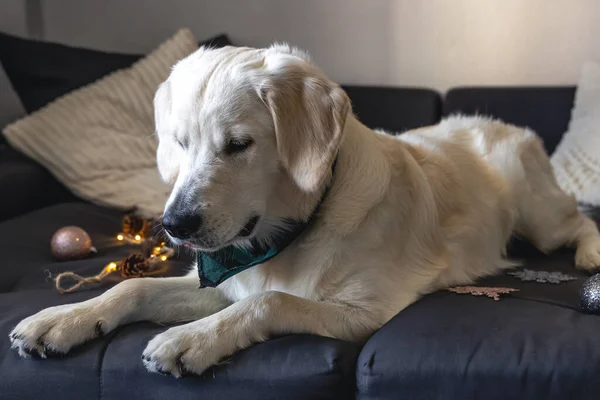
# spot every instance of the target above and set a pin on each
(404, 215)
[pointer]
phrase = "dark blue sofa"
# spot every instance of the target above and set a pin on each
(532, 345)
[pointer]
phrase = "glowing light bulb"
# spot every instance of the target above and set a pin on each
(120, 237)
(112, 266)
(163, 258)
(137, 237)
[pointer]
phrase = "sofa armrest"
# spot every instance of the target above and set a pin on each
(25, 185)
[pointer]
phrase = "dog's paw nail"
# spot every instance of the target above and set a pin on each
(33, 353)
(15, 336)
(181, 368)
(50, 352)
(99, 331)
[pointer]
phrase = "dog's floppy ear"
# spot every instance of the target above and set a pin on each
(309, 113)
(167, 152)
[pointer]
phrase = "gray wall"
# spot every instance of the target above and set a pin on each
(12, 17)
(434, 43)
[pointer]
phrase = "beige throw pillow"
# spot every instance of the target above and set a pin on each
(576, 161)
(99, 140)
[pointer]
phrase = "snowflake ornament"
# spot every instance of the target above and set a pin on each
(491, 292)
(528, 275)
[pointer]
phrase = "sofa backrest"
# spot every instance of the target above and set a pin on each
(546, 110)
(394, 109)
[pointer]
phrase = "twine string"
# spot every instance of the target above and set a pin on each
(106, 271)
(81, 280)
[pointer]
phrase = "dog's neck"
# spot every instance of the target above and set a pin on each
(361, 156)
(290, 203)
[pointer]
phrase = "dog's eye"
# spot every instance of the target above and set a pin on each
(180, 143)
(238, 145)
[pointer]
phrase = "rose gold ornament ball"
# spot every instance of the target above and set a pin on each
(70, 243)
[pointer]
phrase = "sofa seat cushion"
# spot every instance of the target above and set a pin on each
(532, 344)
(290, 367)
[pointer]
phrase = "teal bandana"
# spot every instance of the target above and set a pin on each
(216, 267)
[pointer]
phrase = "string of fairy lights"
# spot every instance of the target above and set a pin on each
(149, 261)
(137, 231)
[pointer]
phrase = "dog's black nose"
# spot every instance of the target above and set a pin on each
(181, 226)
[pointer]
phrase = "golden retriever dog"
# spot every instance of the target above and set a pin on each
(251, 139)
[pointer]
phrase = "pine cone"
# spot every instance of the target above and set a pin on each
(135, 265)
(134, 225)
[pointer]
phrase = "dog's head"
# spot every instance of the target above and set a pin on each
(239, 130)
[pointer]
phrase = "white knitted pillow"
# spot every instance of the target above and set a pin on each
(99, 140)
(576, 161)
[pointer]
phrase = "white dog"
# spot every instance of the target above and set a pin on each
(251, 138)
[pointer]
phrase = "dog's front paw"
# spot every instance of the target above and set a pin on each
(587, 256)
(56, 330)
(190, 348)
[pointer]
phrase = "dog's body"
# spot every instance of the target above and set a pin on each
(403, 216)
